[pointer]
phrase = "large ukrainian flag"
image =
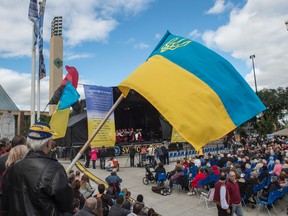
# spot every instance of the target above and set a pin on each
(200, 93)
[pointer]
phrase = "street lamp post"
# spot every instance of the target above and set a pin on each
(252, 58)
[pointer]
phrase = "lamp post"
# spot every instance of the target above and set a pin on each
(252, 58)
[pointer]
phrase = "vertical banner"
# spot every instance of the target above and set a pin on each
(42, 70)
(176, 137)
(99, 101)
(33, 16)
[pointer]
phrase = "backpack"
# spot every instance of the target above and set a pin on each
(183, 182)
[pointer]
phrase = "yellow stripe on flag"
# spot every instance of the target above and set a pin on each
(59, 122)
(188, 103)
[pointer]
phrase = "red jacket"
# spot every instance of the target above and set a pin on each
(234, 192)
(199, 176)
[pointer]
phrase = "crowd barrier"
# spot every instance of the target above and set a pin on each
(178, 155)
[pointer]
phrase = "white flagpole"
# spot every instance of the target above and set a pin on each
(95, 133)
(38, 98)
(32, 119)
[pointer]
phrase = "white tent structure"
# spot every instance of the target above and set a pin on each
(283, 132)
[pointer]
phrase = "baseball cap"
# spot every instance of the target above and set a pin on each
(40, 130)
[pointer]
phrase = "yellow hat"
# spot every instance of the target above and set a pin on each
(40, 130)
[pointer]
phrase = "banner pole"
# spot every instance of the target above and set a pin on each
(95, 133)
(33, 73)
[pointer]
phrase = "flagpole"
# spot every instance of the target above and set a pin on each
(38, 98)
(32, 119)
(95, 133)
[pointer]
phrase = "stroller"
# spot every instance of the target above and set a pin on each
(150, 174)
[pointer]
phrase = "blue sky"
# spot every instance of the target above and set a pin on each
(107, 39)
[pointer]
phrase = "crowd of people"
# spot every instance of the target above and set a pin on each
(128, 135)
(33, 182)
(237, 174)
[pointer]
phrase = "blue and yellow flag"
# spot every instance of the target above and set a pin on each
(199, 92)
(60, 117)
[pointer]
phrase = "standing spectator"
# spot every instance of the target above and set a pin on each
(17, 140)
(15, 154)
(53, 152)
(94, 156)
(132, 152)
(159, 153)
(87, 156)
(151, 154)
(221, 197)
(38, 184)
(234, 193)
(143, 154)
(103, 155)
(165, 154)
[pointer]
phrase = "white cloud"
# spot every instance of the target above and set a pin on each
(72, 56)
(141, 45)
(217, 8)
(194, 34)
(258, 29)
(83, 21)
(18, 87)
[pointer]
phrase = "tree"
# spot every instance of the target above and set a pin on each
(276, 101)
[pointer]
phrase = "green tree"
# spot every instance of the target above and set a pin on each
(276, 101)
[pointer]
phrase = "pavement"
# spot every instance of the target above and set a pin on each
(176, 204)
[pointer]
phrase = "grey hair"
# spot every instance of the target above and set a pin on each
(91, 203)
(36, 144)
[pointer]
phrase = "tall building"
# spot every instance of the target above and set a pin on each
(56, 58)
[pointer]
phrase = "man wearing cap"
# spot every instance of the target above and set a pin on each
(38, 184)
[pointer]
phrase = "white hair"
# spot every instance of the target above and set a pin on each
(36, 144)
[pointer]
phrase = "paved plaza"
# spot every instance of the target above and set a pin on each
(176, 204)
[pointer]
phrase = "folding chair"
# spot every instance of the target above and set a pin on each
(207, 198)
(271, 199)
(201, 184)
(161, 178)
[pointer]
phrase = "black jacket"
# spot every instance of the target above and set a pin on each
(38, 185)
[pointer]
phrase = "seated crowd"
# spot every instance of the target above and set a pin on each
(258, 169)
(108, 201)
